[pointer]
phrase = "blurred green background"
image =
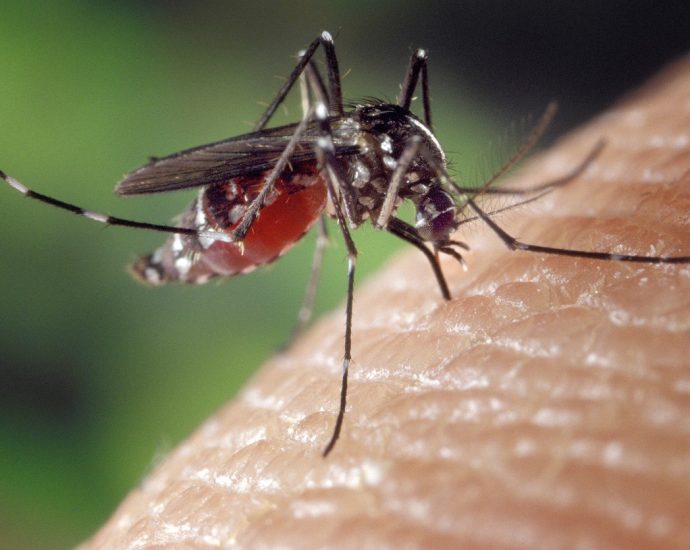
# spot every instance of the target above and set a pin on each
(99, 375)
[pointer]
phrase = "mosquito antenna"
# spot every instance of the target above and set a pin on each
(527, 145)
(507, 208)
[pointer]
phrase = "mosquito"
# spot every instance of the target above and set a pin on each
(261, 192)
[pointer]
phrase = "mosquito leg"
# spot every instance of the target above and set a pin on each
(408, 233)
(325, 154)
(304, 91)
(513, 244)
(305, 312)
(105, 218)
(312, 88)
(403, 164)
(417, 65)
(542, 189)
(335, 103)
(347, 356)
(314, 85)
(250, 215)
(340, 193)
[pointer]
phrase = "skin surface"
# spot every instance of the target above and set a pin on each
(547, 405)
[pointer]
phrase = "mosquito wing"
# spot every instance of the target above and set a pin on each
(238, 156)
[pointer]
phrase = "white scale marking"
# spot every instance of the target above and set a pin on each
(387, 144)
(95, 216)
(390, 162)
(23, 189)
(321, 111)
(177, 244)
(213, 236)
(152, 276)
(431, 137)
(183, 264)
(325, 143)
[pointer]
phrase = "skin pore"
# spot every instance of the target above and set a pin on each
(547, 405)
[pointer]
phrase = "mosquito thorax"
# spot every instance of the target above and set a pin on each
(393, 127)
(383, 132)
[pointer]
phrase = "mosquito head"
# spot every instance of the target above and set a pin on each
(436, 215)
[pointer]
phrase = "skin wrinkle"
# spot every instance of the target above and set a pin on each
(545, 406)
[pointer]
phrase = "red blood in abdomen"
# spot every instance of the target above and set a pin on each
(293, 210)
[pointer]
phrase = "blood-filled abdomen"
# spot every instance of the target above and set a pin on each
(294, 205)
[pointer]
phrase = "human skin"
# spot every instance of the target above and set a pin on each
(547, 405)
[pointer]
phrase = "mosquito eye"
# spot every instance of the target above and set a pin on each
(436, 215)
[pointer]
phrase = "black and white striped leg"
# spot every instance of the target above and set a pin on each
(105, 218)
(341, 190)
(402, 165)
(335, 97)
(314, 87)
(257, 204)
(418, 64)
(408, 233)
(307, 308)
(337, 188)
(514, 244)
(311, 87)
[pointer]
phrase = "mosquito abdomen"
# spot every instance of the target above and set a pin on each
(297, 202)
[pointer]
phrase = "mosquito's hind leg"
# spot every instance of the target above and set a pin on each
(418, 65)
(314, 86)
(105, 218)
(335, 96)
(257, 204)
(306, 310)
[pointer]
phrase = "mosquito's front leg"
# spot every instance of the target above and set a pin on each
(402, 166)
(514, 244)
(409, 234)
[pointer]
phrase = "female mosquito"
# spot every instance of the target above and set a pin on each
(259, 193)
